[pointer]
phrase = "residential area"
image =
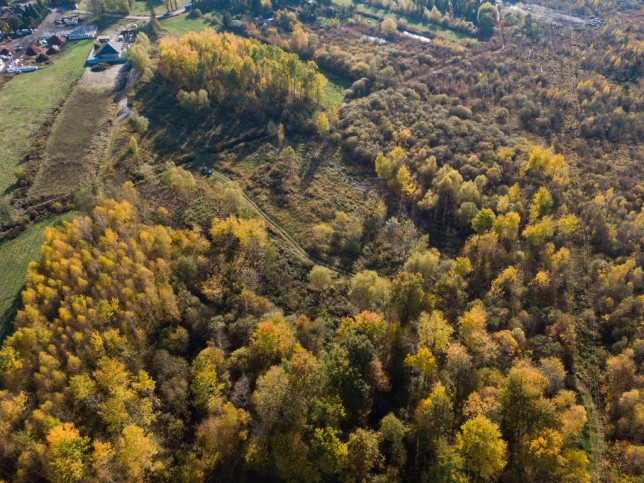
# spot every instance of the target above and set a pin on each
(29, 49)
(64, 78)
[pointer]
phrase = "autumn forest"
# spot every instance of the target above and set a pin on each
(347, 241)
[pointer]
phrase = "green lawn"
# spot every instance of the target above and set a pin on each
(142, 7)
(182, 24)
(27, 99)
(334, 91)
(15, 256)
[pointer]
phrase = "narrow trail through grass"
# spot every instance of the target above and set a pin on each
(415, 23)
(273, 225)
(277, 228)
(594, 439)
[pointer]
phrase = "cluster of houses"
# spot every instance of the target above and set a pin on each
(17, 20)
(11, 11)
(42, 50)
(8, 15)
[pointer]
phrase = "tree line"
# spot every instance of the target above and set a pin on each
(239, 73)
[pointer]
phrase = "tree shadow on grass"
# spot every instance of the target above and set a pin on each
(6, 318)
(316, 159)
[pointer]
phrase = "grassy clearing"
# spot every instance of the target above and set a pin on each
(26, 100)
(182, 24)
(592, 437)
(15, 256)
(141, 7)
(334, 91)
(320, 186)
(416, 23)
(75, 148)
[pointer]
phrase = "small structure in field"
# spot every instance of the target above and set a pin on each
(34, 50)
(42, 58)
(56, 40)
(53, 50)
(6, 54)
(103, 39)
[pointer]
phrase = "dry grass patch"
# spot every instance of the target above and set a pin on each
(78, 142)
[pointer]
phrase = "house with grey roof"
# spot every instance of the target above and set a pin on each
(109, 52)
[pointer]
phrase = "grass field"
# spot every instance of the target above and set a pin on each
(15, 256)
(182, 24)
(74, 148)
(141, 7)
(26, 100)
(416, 23)
(334, 91)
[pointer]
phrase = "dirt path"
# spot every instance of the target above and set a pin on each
(101, 80)
(273, 225)
(554, 17)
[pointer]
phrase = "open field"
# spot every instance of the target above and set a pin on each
(416, 23)
(182, 24)
(140, 7)
(334, 90)
(15, 256)
(26, 100)
(76, 144)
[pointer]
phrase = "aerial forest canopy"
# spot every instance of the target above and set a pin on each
(355, 241)
(107, 366)
(238, 72)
